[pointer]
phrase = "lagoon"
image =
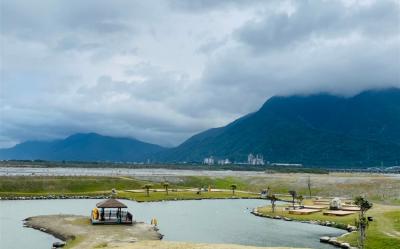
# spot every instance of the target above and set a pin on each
(208, 221)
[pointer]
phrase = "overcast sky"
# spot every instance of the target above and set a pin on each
(160, 71)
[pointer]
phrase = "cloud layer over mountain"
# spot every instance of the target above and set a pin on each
(161, 71)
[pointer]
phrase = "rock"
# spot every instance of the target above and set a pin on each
(58, 244)
(345, 245)
(324, 239)
(351, 228)
(334, 241)
(277, 217)
(287, 219)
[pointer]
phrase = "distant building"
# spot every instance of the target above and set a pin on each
(209, 160)
(255, 159)
(224, 162)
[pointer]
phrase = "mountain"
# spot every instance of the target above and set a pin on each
(322, 129)
(314, 130)
(83, 147)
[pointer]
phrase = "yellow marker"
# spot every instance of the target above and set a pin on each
(95, 213)
(154, 222)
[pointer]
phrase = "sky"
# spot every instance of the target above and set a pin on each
(161, 71)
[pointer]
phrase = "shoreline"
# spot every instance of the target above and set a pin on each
(324, 239)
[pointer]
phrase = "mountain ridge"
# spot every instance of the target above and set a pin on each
(319, 129)
(300, 126)
(83, 147)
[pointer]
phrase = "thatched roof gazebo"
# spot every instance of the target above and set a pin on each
(111, 212)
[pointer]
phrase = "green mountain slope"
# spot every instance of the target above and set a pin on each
(321, 129)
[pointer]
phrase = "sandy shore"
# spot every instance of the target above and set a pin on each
(80, 234)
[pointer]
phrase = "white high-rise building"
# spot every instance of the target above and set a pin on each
(255, 160)
(209, 160)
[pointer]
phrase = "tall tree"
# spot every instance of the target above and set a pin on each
(147, 187)
(362, 221)
(273, 200)
(293, 193)
(166, 185)
(309, 185)
(300, 199)
(233, 187)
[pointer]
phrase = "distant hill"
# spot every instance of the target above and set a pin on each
(83, 147)
(321, 129)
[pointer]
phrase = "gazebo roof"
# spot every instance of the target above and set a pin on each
(110, 203)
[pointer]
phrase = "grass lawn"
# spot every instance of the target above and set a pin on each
(186, 195)
(382, 233)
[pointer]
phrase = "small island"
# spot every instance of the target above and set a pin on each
(80, 233)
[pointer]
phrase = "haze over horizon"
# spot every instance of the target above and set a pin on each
(161, 72)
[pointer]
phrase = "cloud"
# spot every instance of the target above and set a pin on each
(320, 20)
(162, 71)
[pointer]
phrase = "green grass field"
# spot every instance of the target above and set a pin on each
(186, 195)
(92, 186)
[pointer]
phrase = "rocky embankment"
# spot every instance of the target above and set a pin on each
(53, 197)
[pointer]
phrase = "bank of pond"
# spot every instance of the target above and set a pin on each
(205, 221)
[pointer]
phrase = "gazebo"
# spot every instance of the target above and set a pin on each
(111, 212)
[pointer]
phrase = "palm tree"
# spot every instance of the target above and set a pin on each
(147, 187)
(294, 195)
(166, 185)
(233, 187)
(300, 199)
(309, 185)
(362, 221)
(273, 200)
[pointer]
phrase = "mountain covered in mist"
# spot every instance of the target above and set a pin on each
(316, 130)
(83, 147)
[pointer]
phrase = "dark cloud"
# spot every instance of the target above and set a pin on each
(161, 71)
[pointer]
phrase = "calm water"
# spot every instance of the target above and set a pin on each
(214, 221)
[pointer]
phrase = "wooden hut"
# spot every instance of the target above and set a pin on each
(111, 211)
